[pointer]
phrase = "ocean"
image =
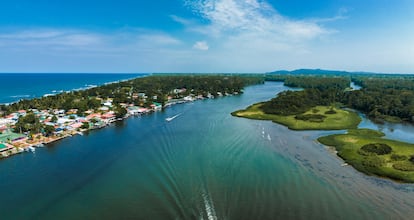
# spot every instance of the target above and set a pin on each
(204, 164)
(16, 86)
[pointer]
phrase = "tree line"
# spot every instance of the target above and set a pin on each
(157, 88)
(318, 91)
(382, 97)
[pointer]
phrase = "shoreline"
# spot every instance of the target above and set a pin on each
(397, 165)
(31, 123)
(60, 91)
(30, 146)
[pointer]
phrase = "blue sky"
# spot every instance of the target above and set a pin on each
(206, 35)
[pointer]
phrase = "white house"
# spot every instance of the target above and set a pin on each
(6, 121)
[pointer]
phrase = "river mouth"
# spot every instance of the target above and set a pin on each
(204, 164)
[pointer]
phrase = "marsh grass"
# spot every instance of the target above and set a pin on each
(317, 118)
(394, 165)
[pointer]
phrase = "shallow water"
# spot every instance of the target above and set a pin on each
(204, 164)
(398, 131)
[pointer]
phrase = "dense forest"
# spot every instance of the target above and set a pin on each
(385, 98)
(319, 83)
(156, 88)
(318, 91)
(382, 97)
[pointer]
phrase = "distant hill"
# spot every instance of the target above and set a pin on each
(330, 72)
(311, 72)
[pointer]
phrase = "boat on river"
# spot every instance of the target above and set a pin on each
(31, 149)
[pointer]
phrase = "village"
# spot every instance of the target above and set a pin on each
(28, 124)
(57, 124)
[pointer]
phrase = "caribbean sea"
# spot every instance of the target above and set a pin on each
(16, 86)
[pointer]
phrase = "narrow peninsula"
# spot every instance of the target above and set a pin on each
(27, 124)
(317, 107)
(317, 118)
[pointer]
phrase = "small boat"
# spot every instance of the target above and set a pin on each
(172, 118)
(32, 149)
(344, 164)
(40, 145)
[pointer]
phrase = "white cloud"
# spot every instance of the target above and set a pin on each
(250, 35)
(50, 37)
(32, 34)
(201, 45)
(181, 20)
(75, 50)
(238, 17)
(158, 39)
(341, 15)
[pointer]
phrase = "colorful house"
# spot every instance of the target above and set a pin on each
(8, 136)
(156, 106)
(95, 115)
(75, 126)
(108, 115)
(3, 147)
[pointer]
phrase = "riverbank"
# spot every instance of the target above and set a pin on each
(317, 118)
(29, 143)
(367, 151)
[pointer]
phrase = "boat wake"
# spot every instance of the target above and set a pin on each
(209, 206)
(172, 118)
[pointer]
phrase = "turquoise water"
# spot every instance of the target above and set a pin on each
(205, 164)
(16, 86)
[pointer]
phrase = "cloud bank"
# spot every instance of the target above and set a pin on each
(251, 16)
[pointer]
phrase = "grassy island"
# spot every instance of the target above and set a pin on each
(367, 151)
(310, 109)
(317, 118)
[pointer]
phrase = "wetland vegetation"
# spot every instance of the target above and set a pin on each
(317, 118)
(367, 151)
(325, 102)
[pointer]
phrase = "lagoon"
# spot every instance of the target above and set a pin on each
(204, 164)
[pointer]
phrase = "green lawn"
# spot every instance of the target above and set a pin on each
(339, 121)
(395, 165)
